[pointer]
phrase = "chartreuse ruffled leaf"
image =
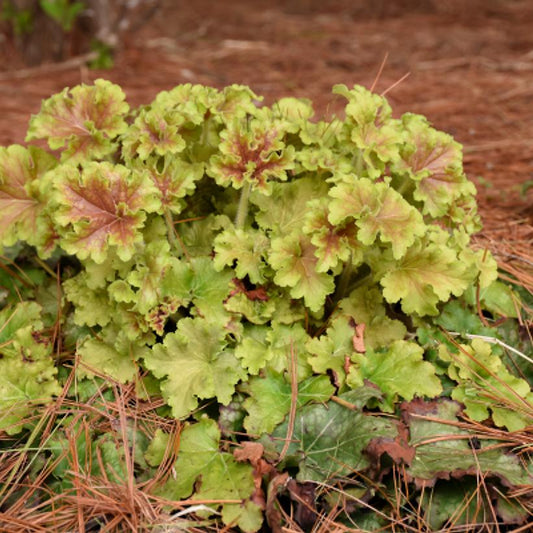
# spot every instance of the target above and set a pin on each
(198, 102)
(257, 309)
(112, 354)
(205, 473)
(377, 209)
(293, 110)
(369, 130)
(365, 305)
(328, 441)
(195, 363)
(270, 399)
(273, 348)
(433, 160)
(284, 211)
(100, 206)
(332, 350)
(335, 350)
(440, 457)
(285, 343)
(86, 119)
(295, 263)
(198, 282)
(429, 273)
(142, 286)
(186, 122)
(27, 371)
(91, 306)
(399, 371)
(246, 250)
(253, 351)
(23, 201)
(197, 236)
(486, 386)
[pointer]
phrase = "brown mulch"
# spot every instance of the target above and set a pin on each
(469, 68)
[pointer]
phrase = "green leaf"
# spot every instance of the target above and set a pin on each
(248, 516)
(271, 396)
(142, 285)
(62, 11)
(86, 119)
(484, 383)
(23, 200)
(498, 298)
(114, 355)
(194, 363)
(198, 282)
(92, 307)
(284, 211)
(443, 448)
(27, 370)
(399, 371)
(294, 260)
(208, 474)
(332, 350)
(427, 274)
(197, 236)
(365, 306)
(253, 350)
(451, 502)
(157, 449)
(256, 305)
(285, 342)
(246, 250)
(376, 209)
(328, 441)
(456, 317)
(371, 130)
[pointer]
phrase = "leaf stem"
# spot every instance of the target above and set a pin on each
(358, 163)
(242, 209)
(175, 242)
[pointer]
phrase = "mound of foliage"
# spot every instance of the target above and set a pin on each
(301, 295)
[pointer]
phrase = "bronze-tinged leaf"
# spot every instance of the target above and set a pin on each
(174, 177)
(434, 161)
(334, 243)
(103, 205)
(85, 119)
(252, 153)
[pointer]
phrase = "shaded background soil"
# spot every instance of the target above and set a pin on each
(467, 66)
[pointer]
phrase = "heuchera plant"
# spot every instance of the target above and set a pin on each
(221, 253)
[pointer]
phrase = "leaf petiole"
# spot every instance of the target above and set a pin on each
(242, 209)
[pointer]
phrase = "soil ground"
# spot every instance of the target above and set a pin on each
(467, 66)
